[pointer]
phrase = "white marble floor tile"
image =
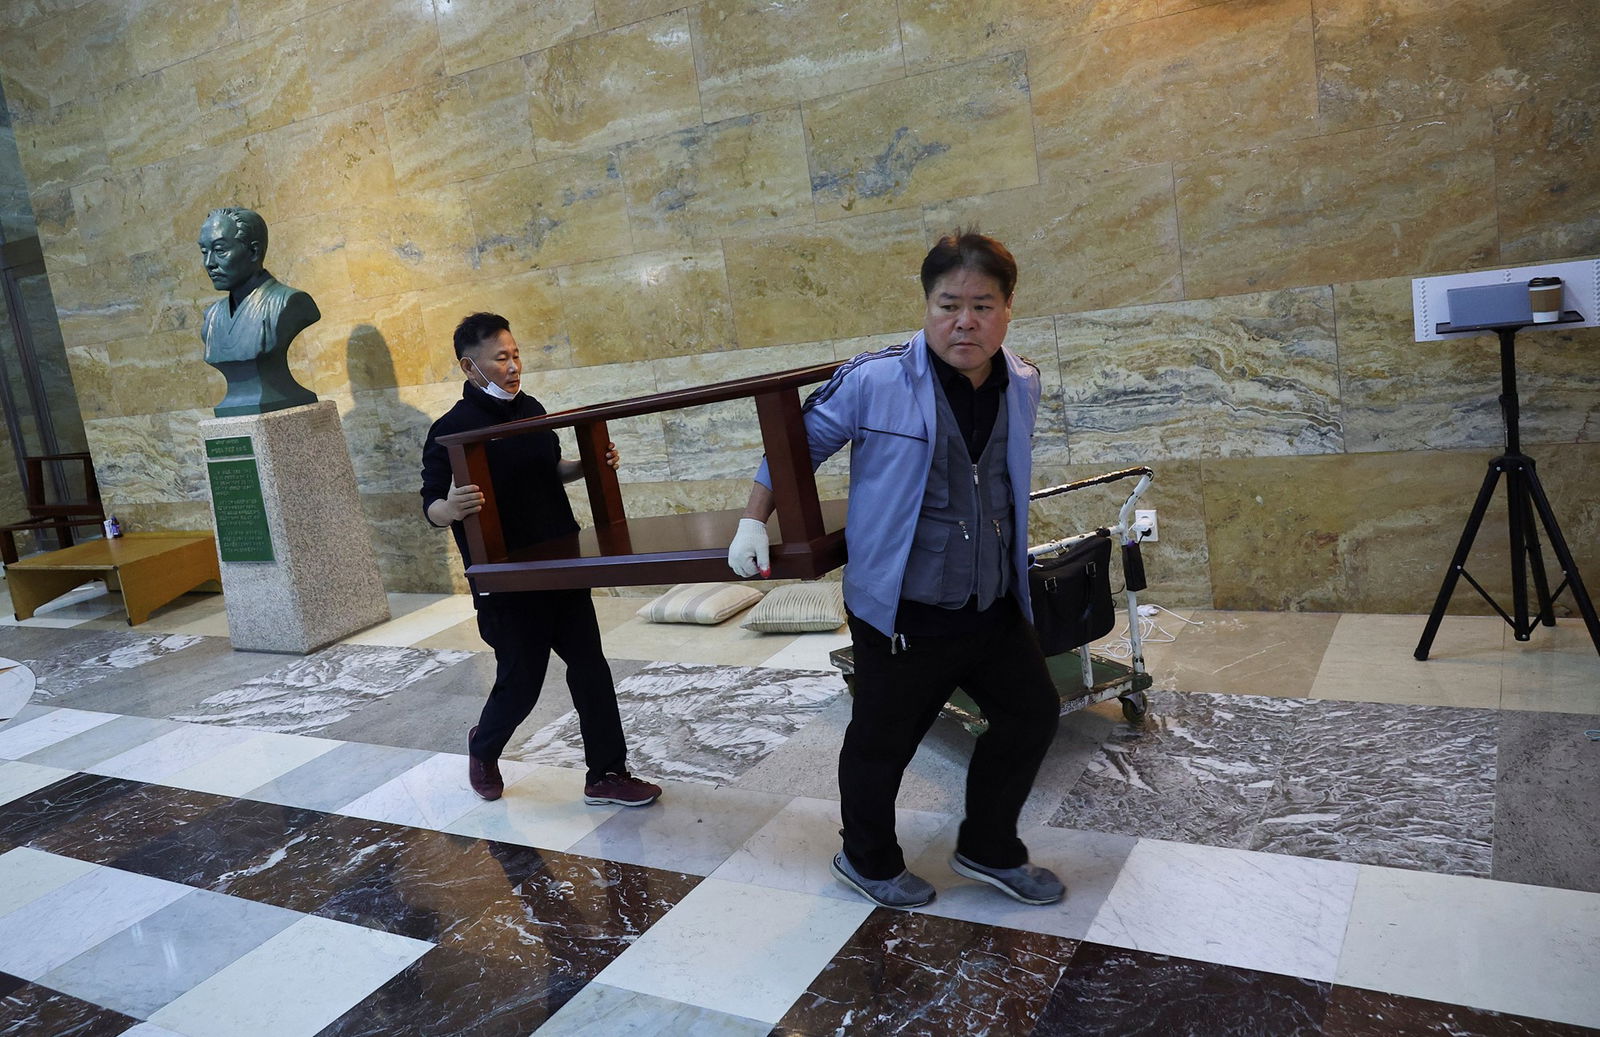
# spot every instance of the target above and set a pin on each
(744, 950)
(692, 828)
(157, 959)
(794, 851)
(1503, 946)
(16, 687)
(18, 779)
(808, 652)
(186, 746)
(56, 927)
(149, 1030)
(1088, 862)
(1389, 673)
(260, 759)
(429, 795)
(103, 741)
(416, 616)
(1235, 907)
(294, 984)
(27, 874)
(1557, 671)
(19, 739)
(544, 808)
(205, 616)
(600, 1009)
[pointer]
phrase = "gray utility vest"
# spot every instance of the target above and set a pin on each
(962, 545)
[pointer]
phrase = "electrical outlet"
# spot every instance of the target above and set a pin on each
(1145, 518)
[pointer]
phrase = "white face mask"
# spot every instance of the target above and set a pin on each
(488, 383)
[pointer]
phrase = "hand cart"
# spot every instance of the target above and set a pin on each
(1081, 678)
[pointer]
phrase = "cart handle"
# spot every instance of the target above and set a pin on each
(1144, 475)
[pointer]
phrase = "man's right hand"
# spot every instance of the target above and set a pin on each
(460, 502)
(748, 554)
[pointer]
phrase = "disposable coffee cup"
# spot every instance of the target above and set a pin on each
(1544, 299)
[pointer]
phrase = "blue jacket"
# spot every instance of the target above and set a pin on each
(883, 404)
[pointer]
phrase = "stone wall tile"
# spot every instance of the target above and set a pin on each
(361, 55)
(165, 32)
(740, 176)
(841, 279)
(1238, 376)
(1216, 78)
(1302, 213)
(567, 210)
(640, 440)
(1375, 532)
(753, 56)
(646, 306)
(903, 143)
(585, 94)
(1546, 178)
(1384, 61)
(64, 145)
(158, 115)
(530, 302)
(155, 374)
(723, 440)
(1082, 243)
(320, 165)
(462, 127)
(475, 33)
(937, 33)
(265, 78)
(67, 55)
(411, 242)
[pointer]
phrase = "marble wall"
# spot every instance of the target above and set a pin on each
(1217, 208)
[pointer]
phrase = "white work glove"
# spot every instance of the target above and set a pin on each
(747, 555)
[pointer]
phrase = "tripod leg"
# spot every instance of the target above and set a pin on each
(1558, 544)
(1516, 520)
(1541, 584)
(1457, 563)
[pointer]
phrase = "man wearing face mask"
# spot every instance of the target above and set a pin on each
(524, 627)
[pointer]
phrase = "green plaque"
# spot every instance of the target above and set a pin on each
(242, 533)
(234, 446)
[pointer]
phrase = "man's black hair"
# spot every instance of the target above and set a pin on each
(475, 328)
(967, 249)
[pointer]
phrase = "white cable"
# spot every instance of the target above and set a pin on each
(1150, 632)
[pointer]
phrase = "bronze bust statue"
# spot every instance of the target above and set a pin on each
(247, 335)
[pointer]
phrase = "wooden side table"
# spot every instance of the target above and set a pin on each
(620, 551)
(151, 569)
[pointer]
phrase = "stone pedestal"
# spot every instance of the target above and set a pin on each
(323, 582)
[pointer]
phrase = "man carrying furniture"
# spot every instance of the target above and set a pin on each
(524, 627)
(936, 586)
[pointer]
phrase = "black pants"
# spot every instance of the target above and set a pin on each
(523, 628)
(897, 698)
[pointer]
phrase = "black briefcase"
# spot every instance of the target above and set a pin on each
(1071, 595)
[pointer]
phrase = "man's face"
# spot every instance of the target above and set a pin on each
(495, 358)
(966, 321)
(227, 257)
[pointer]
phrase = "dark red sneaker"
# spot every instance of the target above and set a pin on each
(622, 789)
(484, 775)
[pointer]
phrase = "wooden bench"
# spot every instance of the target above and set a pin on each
(152, 569)
(621, 552)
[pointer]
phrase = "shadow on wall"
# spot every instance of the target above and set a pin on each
(386, 437)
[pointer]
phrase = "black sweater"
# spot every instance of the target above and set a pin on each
(531, 498)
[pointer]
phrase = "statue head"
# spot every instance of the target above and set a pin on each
(233, 246)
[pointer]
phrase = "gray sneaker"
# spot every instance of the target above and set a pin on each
(903, 891)
(1028, 883)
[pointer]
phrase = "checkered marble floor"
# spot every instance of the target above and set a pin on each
(200, 842)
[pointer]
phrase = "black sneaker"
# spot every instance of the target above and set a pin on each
(1028, 883)
(624, 790)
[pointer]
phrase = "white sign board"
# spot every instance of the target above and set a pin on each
(1430, 306)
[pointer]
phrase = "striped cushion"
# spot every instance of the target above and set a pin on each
(704, 603)
(797, 609)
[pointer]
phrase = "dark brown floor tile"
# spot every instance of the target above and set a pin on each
(911, 974)
(1353, 1012)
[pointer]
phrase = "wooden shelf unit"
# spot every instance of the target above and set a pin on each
(619, 551)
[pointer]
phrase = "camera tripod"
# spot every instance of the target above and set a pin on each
(1525, 498)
